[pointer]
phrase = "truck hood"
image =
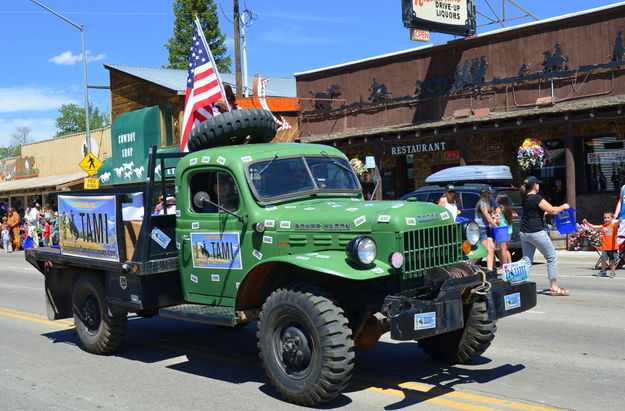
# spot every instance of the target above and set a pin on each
(355, 215)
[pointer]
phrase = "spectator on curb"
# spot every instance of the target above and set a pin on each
(485, 219)
(32, 222)
(449, 201)
(5, 235)
(14, 227)
(609, 246)
(505, 219)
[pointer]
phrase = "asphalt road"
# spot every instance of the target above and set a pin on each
(566, 353)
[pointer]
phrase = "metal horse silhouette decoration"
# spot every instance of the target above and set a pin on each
(323, 99)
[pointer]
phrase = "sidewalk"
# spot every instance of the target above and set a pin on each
(570, 255)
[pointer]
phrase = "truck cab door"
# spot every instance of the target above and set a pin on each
(210, 239)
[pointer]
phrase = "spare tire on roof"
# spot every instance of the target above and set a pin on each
(216, 131)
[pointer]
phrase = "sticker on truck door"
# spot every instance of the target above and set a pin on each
(216, 251)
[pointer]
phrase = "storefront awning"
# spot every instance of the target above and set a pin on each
(50, 182)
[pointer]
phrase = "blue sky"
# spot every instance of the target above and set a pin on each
(41, 67)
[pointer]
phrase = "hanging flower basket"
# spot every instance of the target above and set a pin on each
(532, 153)
(358, 166)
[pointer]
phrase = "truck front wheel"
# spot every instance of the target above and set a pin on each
(98, 330)
(305, 345)
(464, 345)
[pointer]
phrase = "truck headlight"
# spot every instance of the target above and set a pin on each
(471, 232)
(362, 250)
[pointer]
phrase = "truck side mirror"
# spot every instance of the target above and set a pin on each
(200, 198)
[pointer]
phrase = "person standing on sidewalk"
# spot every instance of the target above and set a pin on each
(533, 235)
(14, 228)
(32, 222)
(609, 247)
(448, 200)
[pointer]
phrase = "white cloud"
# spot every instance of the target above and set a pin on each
(41, 128)
(68, 59)
(14, 99)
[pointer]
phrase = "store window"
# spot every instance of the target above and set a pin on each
(604, 164)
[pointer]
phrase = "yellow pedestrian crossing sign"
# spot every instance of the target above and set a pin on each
(91, 164)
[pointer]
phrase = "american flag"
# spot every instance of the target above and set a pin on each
(203, 86)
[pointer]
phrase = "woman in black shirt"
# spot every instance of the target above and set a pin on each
(533, 235)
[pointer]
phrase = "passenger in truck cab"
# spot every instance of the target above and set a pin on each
(225, 188)
(170, 206)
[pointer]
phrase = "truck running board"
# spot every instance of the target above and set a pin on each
(206, 314)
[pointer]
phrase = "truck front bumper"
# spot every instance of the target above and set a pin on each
(414, 319)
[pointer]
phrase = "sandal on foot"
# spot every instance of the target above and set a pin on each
(559, 292)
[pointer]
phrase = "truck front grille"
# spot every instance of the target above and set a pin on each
(430, 247)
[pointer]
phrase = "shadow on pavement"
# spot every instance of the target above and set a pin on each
(397, 366)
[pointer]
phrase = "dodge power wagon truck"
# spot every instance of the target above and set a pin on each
(279, 234)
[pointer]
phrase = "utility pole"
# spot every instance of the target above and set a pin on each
(237, 50)
(80, 27)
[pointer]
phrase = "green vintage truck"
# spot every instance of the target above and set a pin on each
(279, 234)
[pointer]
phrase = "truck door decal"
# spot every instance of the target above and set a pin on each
(216, 251)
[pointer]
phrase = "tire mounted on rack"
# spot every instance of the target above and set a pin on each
(220, 130)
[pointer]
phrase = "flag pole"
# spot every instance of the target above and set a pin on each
(210, 55)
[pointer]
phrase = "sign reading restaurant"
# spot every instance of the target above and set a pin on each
(418, 148)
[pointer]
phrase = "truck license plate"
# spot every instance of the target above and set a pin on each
(516, 272)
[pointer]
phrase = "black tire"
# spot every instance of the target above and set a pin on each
(219, 130)
(98, 330)
(462, 346)
(305, 345)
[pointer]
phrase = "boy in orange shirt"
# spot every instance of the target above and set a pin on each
(609, 229)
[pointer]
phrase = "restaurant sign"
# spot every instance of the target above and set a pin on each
(418, 148)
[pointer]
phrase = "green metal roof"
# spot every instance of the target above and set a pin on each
(176, 80)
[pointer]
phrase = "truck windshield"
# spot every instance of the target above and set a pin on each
(293, 176)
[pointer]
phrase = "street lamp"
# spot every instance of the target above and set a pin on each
(80, 27)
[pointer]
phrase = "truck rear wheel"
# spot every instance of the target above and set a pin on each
(462, 346)
(305, 345)
(219, 130)
(98, 330)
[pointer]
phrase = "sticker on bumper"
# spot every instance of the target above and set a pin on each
(512, 301)
(423, 321)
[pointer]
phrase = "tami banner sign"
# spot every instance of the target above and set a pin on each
(444, 16)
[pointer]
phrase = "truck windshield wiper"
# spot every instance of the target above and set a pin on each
(268, 164)
(343, 166)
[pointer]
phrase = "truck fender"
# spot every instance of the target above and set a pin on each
(334, 263)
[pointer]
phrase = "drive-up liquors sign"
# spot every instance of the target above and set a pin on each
(444, 16)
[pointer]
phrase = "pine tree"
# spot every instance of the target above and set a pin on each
(72, 119)
(180, 44)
